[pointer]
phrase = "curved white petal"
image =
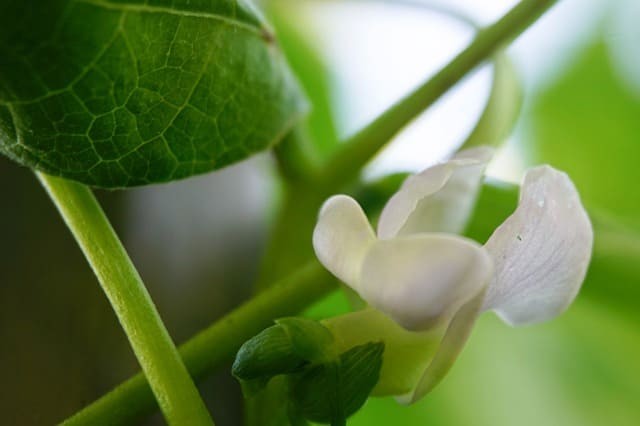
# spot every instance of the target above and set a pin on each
(422, 280)
(439, 199)
(450, 347)
(541, 252)
(342, 237)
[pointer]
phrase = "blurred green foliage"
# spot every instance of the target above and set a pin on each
(588, 124)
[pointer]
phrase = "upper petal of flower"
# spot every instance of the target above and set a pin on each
(541, 252)
(422, 280)
(342, 237)
(439, 199)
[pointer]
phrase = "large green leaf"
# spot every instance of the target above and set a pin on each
(588, 124)
(118, 93)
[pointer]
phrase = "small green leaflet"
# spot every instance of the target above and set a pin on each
(333, 391)
(118, 93)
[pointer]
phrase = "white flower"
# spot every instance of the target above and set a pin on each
(424, 276)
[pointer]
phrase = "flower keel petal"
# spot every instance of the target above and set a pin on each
(422, 280)
(541, 252)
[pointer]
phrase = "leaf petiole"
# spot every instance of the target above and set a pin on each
(168, 378)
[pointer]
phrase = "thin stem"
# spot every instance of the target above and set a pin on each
(174, 390)
(214, 345)
(346, 164)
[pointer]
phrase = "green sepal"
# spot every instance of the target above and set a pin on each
(284, 348)
(326, 382)
(330, 392)
(309, 339)
(407, 354)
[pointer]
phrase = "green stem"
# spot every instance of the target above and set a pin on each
(294, 162)
(214, 345)
(174, 390)
(346, 164)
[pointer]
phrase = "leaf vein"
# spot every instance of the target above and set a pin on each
(140, 8)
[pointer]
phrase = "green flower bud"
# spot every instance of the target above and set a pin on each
(267, 354)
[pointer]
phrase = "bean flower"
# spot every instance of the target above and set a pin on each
(421, 278)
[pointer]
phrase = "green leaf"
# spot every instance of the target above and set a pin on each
(332, 391)
(588, 124)
(496, 201)
(117, 93)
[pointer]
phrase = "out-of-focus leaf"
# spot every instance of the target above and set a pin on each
(496, 201)
(614, 275)
(588, 124)
(314, 75)
(118, 93)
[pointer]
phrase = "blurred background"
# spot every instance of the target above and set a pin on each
(198, 242)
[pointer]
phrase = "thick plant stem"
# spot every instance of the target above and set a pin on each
(213, 346)
(172, 386)
(347, 163)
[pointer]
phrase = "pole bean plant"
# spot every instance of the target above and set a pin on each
(114, 94)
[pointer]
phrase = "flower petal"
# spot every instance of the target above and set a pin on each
(450, 347)
(439, 199)
(422, 280)
(541, 252)
(342, 237)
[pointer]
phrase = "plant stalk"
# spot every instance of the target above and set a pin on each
(170, 382)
